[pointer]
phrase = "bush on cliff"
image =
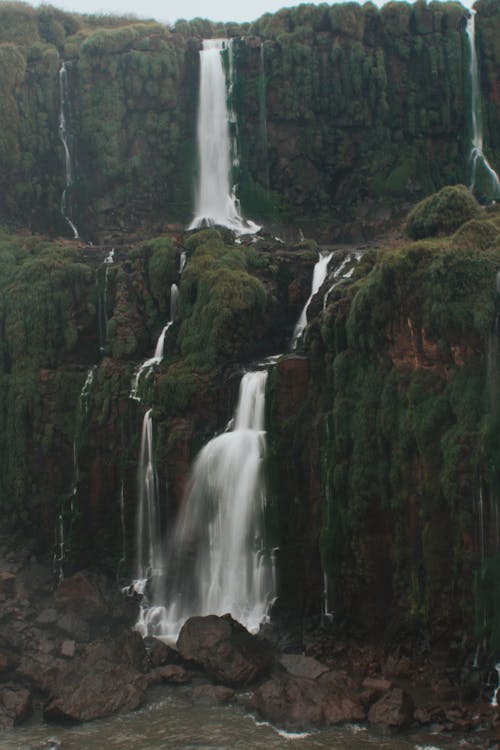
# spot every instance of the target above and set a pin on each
(442, 213)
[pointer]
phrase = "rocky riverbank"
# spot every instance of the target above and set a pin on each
(68, 652)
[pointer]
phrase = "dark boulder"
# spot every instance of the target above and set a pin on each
(15, 705)
(96, 693)
(294, 703)
(298, 703)
(225, 649)
(394, 709)
(92, 598)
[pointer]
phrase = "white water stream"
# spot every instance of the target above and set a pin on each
(217, 562)
(319, 275)
(65, 206)
(216, 202)
(148, 365)
(477, 157)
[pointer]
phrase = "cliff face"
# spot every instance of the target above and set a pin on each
(344, 111)
(383, 451)
(383, 456)
(76, 328)
(394, 445)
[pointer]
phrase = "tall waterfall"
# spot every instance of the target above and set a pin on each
(216, 202)
(66, 208)
(477, 158)
(218, 562)
(148, 562)
(319, 275)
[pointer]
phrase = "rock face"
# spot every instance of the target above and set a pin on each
(394, 709)
(330, 84)
(298, 703)
(15, 705)
(225, 649)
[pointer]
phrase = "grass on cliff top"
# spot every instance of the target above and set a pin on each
(446, 285)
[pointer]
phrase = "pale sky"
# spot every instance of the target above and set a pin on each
(170, 10)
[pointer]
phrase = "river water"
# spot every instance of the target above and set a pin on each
(171, 722)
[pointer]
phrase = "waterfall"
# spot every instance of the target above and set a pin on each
(476, 156)
(65, 206)
(83, 405)
(216, 202)
(102, 303)
(174, 296)
(218, 563)
(148, 562)
(182, 261)
(148, 364)
(319, 275)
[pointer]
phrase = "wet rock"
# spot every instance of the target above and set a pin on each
(294, 703)
(225, 649)
(15, 705)
(127, 649)
(100, 692)
(92, 598)
(172, 673)
(74, 626)
(338, 709)
(341, 702)
(394, 709)
(159, 653)
(303, 666)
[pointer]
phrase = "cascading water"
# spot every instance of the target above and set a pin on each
(67, 510)
(149, 560)
(477, 157)
(339, 275)
(319, 275)
(102, 302)
(218, 563)
(148, 365)
(216, 202)
(66, 208)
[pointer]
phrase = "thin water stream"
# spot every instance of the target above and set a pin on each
(171, 722)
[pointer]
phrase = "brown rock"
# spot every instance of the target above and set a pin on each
(294, 703)
(394, 709)
(68, 649)
(173, 673)
(377, 683)
(159, 653)
(338, 709)
(7, 584)
(15, 705)
(96, 693)
(79, 594)
(225, 649)
(302, 666)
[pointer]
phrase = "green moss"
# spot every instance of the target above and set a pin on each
(442, 213)
(220, 305)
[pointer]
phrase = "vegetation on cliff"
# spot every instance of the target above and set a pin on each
(401, 416)
(339, 108)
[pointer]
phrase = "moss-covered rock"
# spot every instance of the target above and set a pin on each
(442, 213)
